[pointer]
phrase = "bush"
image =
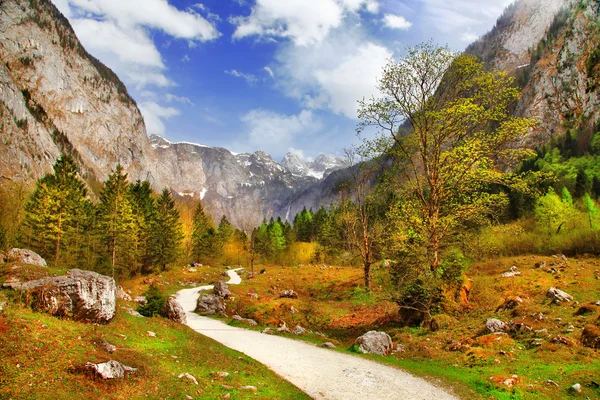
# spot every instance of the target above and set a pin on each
(453, 267)
(155, 302)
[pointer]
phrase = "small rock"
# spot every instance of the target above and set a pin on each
(550, 382)
(374, 342)
(562, 340)
(222, 374)
(512, 381)
(283, 328)
(188, 376)
(298, 330)
(514, 271)
(289, 294)
(150, 334)
(121, 294)
(576, 388)
(541, 264)
(249, 388)
(570, 328)
(268, 331)
(110, 348)
(253, 296)
(187, 396)
(292, 310)
(131, 311)
(174, 311)
(327, 345)
(227, 396)
(237, 318)
(495, 325)
(558, 296)
(221, 289)
(140, 299)
(26, 256)
(109, 370)
(250, 322)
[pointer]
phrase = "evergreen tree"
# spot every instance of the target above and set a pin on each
(226, 230)
(55, 209)
(144, 209)
(581, 184)
(166, 233)
(592, 210)
(276, 238)
(203, 235)
(117, 224)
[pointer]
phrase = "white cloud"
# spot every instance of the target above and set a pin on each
(300, 154)
(154, 115)
(249, 78)
(275, 133)
(185, 59)
(333, 75)
(458, 15)
(468, 37)
(178, 99)
(396, 22)
(305, 22)
(269, 71)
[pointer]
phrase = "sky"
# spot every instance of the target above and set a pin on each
(273, 75)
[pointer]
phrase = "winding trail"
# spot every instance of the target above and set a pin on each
(321, 373)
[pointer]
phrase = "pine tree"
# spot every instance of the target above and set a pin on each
(119, 230)
(165, 232)
(55, 210)
(204, 235)
(226, 230)
(144, 209)
(276, 238)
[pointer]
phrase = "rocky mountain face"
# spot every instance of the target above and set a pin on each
(551, 47)
(55, 97)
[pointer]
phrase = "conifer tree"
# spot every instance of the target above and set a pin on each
(165, 233)
(203, 235)
(144, 210)
(55, 209)
(276, 238)
(117, 223)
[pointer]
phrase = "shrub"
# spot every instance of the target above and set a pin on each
(155, 302)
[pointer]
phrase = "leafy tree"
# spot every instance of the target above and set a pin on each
(117, 223)
(165, 233)
(446, 125)
(552, 212)
(566, 197)
(591, 209)
(55, 208)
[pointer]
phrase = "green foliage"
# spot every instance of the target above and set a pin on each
(453, 266)
(166, 233)
(590, 207)
(155, 302)
(552, 212)
(55, 209)
(204, 235)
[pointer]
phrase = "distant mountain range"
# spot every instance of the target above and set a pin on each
(55, 97)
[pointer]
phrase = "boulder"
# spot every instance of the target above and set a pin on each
(140, 299)
(110, 348)
(283, 328)
(558, 296)
(374, 342)
(298, 330)
(221, 289)
(327, 345)
(495, 325)
(209, 304)
(590, 337)
(109, 370)
(288, 294)
(121, 294)
(26, 256)
(174, 311)
(81, 295)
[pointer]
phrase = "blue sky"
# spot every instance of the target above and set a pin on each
(271, 75)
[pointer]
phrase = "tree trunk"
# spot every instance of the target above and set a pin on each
(57, 245)
(435, 247)
(367, 266)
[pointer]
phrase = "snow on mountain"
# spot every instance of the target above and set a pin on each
(320, 168)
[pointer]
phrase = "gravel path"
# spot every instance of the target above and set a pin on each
(321, 373)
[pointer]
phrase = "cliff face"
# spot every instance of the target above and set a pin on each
(69, 100)
(551, 47)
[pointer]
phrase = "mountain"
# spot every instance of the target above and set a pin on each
(320, 168)
(55, 97)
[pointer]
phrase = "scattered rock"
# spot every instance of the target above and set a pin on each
(131, 311)
(150, 334)
(590, 337)
(283, 328)
(327, 345)
(227, 396)
(109, 370)
(298, 330)
(399, 349)
(121, 294)
(576, 388)
(249, 388)
(570, 328)
(110, 348)
(248, 321)
(222, 374)
(174, 311)
(209, 304)
(221, 289)
(268, 331)
(81, 295)
(551, 382)
(509, 304)
(26, 256)
(292, 310)
(514, 271)
(188, 376)
(253, 296)
(140, 299)
(495, 325)
(541, 264)
(512, 381)
(558, 296)
(374, 342)
(288, 294)
(562, 340)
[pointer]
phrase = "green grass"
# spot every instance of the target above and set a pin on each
(42, 358)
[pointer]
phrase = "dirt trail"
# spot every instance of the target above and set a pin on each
(321, 373)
